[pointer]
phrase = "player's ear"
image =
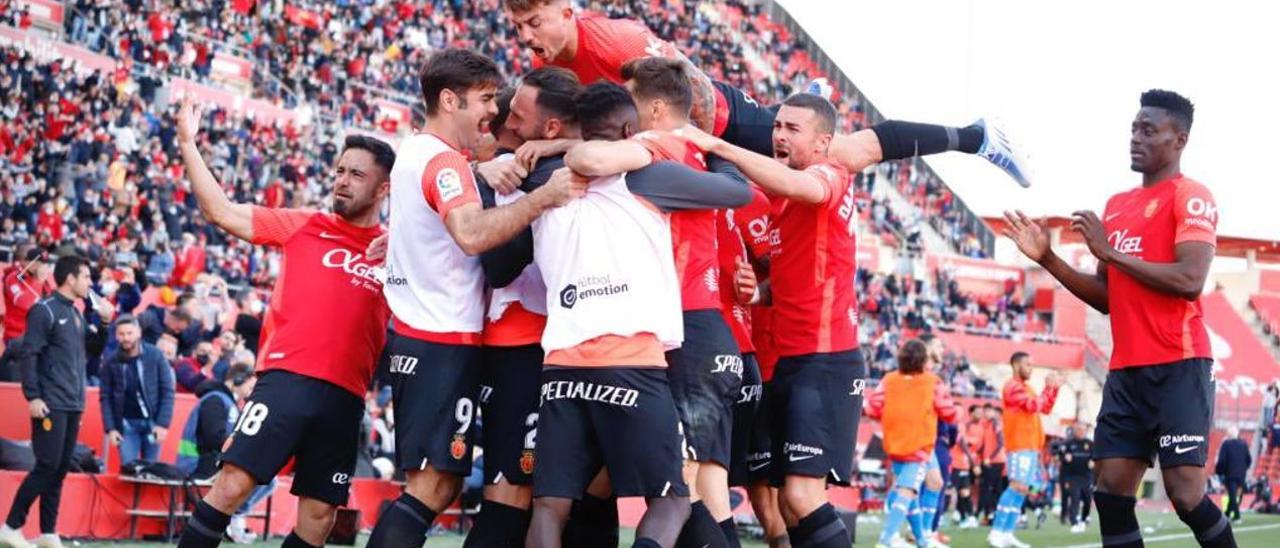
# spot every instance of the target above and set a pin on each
(448, 100)
(1181, 142)
(552, 128)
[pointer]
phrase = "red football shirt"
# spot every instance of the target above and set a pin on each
(20, 294)
(812, 269)
(605, 44)
(1149, 327)
(730, 249)
(693, 233)
(327, 318)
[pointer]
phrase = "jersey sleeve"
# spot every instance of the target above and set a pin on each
(671, 186)
(447, 183)
(666, 146)
(1195, 214)
(943, 404)
(752, 223)
(622, 40)
(834, 180)
(273, 226)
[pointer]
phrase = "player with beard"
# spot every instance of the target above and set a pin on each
(438, 304)
(819, 376)
(595, 47)
(1154, 245)
(321, 338)
(1024, 439)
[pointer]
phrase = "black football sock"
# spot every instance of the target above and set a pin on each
(900, 139)
(1212, 529)
(403, 524)
(731, 532)
(498, 526)
(204, 528)
(822, 528)
(592, 522)
(1118, 522)
(701, 531)
(295, 541)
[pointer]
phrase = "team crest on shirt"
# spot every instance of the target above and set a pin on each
(449, 184)
(458, 448)
(1151, 208)
(526, 461)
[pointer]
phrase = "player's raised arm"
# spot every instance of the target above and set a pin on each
(216, 207)
(601, 158)
(1032, 239)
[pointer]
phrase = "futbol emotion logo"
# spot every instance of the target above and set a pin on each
(569, 296)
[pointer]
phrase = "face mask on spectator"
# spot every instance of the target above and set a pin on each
(202, 359)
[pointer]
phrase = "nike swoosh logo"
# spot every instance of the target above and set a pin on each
(798, 458)
(328, 236)
(1110, 217)
(1180, 450)
(62, 322)
(754, 467)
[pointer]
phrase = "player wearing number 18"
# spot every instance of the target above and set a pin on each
(321, 339)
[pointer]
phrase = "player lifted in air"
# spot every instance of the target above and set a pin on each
(595, 47)
(321, 339)
(1154, 244)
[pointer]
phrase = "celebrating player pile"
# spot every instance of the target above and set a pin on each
(599, 291)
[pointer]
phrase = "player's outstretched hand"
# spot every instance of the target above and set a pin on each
(1089, 226)
(188, 120)
(564, 186)
(1031, 237)
(377, 249)
(701, 139)
(503, 176)
(1054, 379)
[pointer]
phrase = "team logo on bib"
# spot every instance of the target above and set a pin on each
(526, 461)
(569, 296)
(449, 184)
(458, 448)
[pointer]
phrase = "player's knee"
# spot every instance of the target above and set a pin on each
(503, 492)
(231, 488)
(906, 494)
(1184, 497)
(434, 488)
(318, 515)
(1018, 487)
(554, 508)
(933, 483)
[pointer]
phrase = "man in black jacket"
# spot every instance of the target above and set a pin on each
(1075, 460)
(136, 394)
(53, 380)
(1233, 465)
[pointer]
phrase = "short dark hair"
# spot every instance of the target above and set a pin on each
(525, 5)
(819, 105)
(1018, 356)
(457, 70)
(239, 373)
(556, 90)
(66, 267)
(1179, 107)
(127, 319)
(660, 78)
(179, 313)
(383, 155)
(503, 98)
(973, 408)
(912, 357)
(927, 337)
(597, 102)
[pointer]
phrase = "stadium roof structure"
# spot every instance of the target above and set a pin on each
(1266, 251)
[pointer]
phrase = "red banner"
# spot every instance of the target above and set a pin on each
(306, 18)
(230, 67)
(868, 255)
(47, 51)
(980, 277)
(1241, 364)
(233, 102)
(986, 349)
(46, 12)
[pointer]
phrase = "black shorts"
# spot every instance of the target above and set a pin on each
(509, 411)
(815, 411)
(760, 447)
(962, 479)
(750, 123)
(291, 415)
(619, 418)
(1163, 410)
(705, 374)
(435, 388)
(744, 421)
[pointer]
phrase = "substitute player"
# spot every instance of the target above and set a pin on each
(1024, 440)
(1154, 245)
(819, 376)
(596, 47)
(438, 304)
(909, 403)
(613, 308)
(321, 338)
